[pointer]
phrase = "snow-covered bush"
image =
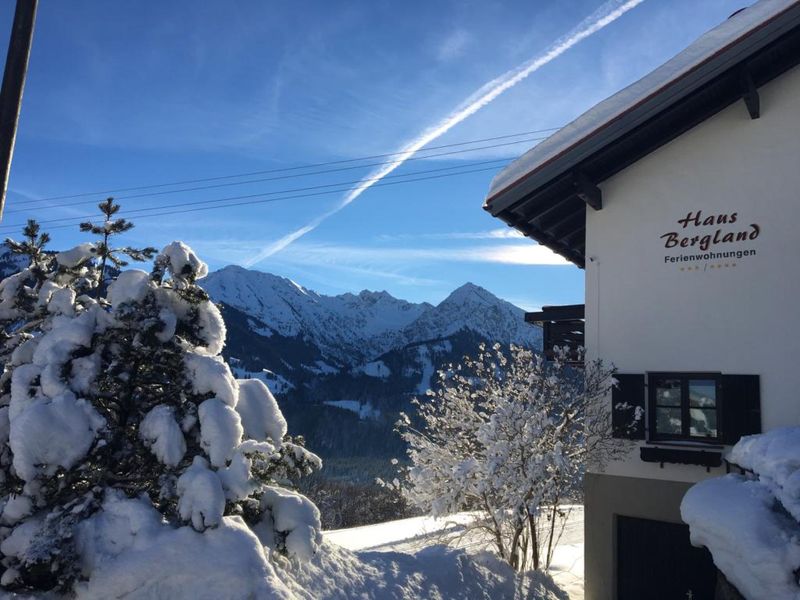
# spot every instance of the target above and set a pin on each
(508, 435)
(751, 523)
(123, 429)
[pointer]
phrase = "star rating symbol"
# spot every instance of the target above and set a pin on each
(707, 266)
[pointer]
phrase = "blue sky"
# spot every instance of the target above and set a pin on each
(125, 94)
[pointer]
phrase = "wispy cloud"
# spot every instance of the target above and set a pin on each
(504, 233)
(453, 45)
(604, 16)
(328, 278)
(526, 304)
(510, 254)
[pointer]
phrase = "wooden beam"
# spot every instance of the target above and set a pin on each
(566, 238)
(569, 223)
(553, 220)
(567, 312)
(555, 210)
(750, 94)
(587, 191)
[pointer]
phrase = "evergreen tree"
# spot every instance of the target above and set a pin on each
(20, 311)
(103, 249)
(113, 387)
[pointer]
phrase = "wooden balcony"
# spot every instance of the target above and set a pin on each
(561, 326)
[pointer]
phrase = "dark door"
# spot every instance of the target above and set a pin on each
(655, 561)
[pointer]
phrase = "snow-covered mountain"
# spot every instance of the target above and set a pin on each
(473, 308)
(351, 329)
(344, 327)
(349, 363)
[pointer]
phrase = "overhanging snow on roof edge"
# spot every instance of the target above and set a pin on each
(684, 78)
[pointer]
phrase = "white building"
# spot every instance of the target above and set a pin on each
(680, 197)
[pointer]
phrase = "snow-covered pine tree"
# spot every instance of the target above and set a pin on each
(19, 307)
(114, 388)
(106, 254)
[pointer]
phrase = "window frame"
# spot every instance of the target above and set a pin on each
(685, 378)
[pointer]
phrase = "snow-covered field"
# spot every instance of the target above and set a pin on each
(411, 536)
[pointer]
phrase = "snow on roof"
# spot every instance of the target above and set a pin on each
(722, 38)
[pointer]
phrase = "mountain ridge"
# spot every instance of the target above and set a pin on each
(351, 328)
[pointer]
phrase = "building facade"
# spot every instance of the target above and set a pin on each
(680, 197)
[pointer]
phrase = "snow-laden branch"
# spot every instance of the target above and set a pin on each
(508, 434)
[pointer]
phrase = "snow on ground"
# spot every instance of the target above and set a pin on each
(320, 367)
(277, 383)
(433, 573)
(427, 369)
(399, 560)
(402, 535)
(376, 368)
(416, 534)
(364, 411)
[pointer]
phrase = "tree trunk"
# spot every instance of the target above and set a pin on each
(534, 541)
(552, 533)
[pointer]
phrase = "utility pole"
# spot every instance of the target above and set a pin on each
(19, 50)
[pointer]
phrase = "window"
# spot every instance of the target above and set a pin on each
(685, 406)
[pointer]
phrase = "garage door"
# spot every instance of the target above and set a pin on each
(655, 561)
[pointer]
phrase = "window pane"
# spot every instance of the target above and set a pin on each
(668, 392)
(703, 422)
(668, 421)
(703, 393)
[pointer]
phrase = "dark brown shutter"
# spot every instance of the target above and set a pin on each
(626, 397)
(741, 407)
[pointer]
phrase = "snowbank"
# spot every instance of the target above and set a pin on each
(435, 572)
(756, 547)
(775, 456)
(129, 553)
(750, 523)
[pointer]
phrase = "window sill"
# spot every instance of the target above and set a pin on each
(681, 456)
(687, 444)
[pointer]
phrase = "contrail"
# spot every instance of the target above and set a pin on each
(603, 16)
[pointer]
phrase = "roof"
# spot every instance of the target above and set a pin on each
(544, 193)
(563, 312)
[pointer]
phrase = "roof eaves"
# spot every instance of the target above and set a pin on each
(672, 91)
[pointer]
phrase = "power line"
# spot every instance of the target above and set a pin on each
(295, 168)
(250, 181)
(267, 200)
(354, 183)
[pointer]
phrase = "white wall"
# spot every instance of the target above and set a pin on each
(645, 315)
